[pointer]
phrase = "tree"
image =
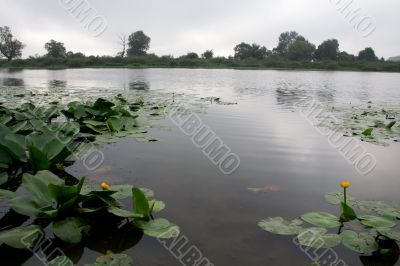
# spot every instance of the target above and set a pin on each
(191, 55)
(10, 47)
(55, 49)
(345, 57)
(245, 50)
(208, 54)
(301, 50)
(285, 40)
(123, 43)
(368, 54)
(328, 49)
(138, 43)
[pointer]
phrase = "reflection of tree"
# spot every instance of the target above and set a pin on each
(55, 84)
(288, 94)
(139, 85)
(326, 93)
(12, 82)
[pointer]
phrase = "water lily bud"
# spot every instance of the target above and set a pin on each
(345, 184)
(104, 185)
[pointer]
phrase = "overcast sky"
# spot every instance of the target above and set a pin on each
(179, 26)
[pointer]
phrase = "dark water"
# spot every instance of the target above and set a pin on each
(276, 146)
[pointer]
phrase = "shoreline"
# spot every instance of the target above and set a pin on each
(197, 67)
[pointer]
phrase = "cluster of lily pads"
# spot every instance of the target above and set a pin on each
(363, 233)
(35, 145)
(370, 123)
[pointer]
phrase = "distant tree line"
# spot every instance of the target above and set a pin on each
(293, 51)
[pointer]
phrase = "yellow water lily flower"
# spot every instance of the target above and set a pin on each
(104, 185)
(345, 184)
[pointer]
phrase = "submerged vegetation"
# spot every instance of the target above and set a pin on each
(364, 233)
(35, 145)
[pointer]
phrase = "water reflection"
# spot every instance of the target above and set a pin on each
(326, 92)
(139, 85)
(12, 82)
(289, 94)
(55, 84)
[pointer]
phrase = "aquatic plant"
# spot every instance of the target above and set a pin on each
(72, 209)
(373, 233)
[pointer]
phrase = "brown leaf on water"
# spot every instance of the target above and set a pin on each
(266, 189)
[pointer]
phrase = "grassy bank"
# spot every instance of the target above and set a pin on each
(151, 61)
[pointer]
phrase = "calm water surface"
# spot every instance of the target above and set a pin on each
(276, 146)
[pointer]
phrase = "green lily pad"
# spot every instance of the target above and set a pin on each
(278, 225)
(360, 243)
(157, 205)
(395, 235)
(70, 229)
(338, 197)
(22, 237)
(159, 228)
(124, 213)
(317, 238)
(61, 260)
(322, 219)
(112, 259)
(384, 221)
(379, 207)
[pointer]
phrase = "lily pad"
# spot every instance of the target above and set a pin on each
(160, 228)
(22, 237)
(360, 243)
(395, 235)
(70, 229)
(322, 219)
(338, 197)
(384, 221)
(112, 259)
(317, 238)
(61, 260)
(278, 225)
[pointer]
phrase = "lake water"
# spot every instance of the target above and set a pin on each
(278, 149)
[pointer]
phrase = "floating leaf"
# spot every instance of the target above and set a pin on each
(268, 188)
(112, 259)
(70, 229)
(61, 261)
(395, 235)
(317, 238)
(160, 228)
(156, 205)
(278, 225)
(337, 197)
(322, 219)
(379, 207)
(22, 237)
(384, 221)
(361, 243)
(124, 213)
